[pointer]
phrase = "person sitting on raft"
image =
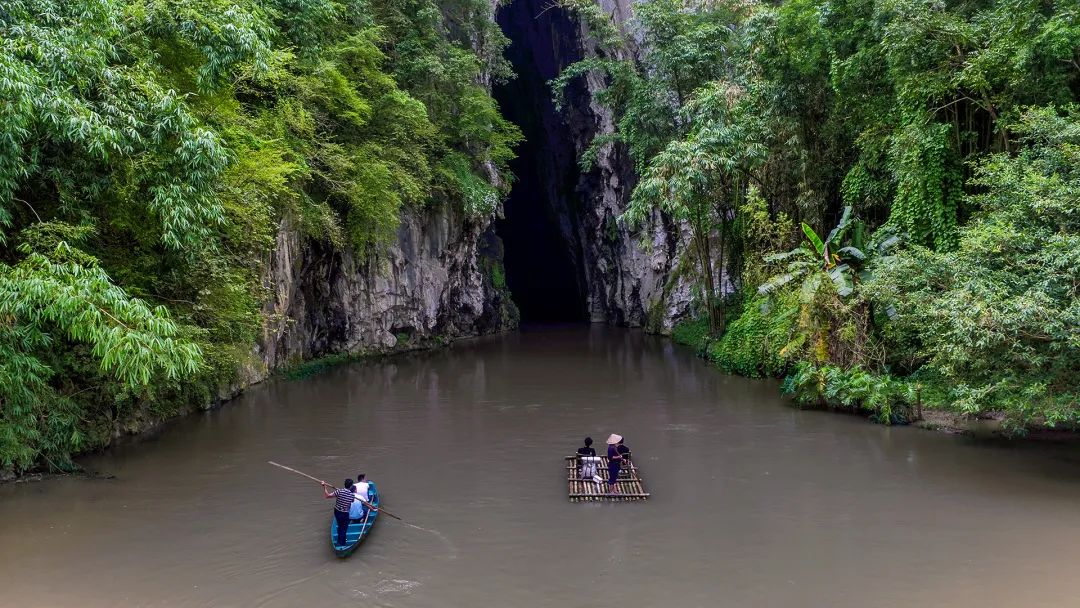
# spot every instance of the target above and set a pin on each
(623, 451)
(362, 492)
(588, 469)
(345, 498)
(614, 462)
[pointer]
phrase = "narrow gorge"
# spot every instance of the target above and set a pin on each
(556, 252)
(351, 196)
(566, 248)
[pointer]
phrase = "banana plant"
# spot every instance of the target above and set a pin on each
(815, 259)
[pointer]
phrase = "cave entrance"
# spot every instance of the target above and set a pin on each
(542, 250)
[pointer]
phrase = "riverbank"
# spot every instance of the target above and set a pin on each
(149, 421)
(894, 401)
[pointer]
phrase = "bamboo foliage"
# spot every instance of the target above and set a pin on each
(151, 151)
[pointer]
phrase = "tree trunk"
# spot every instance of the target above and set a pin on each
(720, 321)
(918, 403)
(705, 257)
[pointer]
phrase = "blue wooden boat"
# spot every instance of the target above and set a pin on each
(358, 528)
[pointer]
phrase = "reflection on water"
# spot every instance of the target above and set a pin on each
(754, 503)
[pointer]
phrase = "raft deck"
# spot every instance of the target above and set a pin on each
(630, 485)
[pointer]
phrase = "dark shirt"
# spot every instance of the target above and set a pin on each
(623, 450)
(585, 451)
(344, 500)
(612, 452)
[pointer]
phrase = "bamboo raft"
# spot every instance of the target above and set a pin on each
(630, 485)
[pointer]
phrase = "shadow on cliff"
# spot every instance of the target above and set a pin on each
(543, 258)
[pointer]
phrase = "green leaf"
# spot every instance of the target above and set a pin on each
(851, 253)
(809, 289)
(888, 244)
(819, 246)
(779, 257)
(838, 232)
(841, 277)
(774, 283)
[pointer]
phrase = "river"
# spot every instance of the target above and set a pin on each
(753, 503)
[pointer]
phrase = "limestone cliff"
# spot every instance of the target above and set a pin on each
(440, 281)
(630, 277)
(641, 278)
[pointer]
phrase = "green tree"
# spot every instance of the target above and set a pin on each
(58, 293)
(683, 47)
(904, 111)
(833, 325)
(701, 179)
(995, 320)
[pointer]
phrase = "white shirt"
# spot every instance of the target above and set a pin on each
(361, 490)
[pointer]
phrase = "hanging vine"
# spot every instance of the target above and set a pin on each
(928, 184)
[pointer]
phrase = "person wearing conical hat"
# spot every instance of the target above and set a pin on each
(614, 462)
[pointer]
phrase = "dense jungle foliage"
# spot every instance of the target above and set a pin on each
(893, 187)
(149, 150)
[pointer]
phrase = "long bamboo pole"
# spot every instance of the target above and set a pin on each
(321, 482)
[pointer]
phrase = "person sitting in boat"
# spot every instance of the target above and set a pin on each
(344, 498)
(614, 462)
(362, 493)
(588, 467)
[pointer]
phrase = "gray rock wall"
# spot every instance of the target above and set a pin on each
(635, 277)
(435, 284)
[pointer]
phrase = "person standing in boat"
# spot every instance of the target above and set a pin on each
(614, 462)
(588, 467)
(344, 498)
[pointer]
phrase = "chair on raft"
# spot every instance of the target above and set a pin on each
(589, 465)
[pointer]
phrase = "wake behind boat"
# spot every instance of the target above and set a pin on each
(358, 529)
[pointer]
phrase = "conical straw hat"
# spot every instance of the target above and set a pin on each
(614, 439)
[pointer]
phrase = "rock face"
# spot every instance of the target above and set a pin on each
(643, 276)
(631, 277)
(438, 282)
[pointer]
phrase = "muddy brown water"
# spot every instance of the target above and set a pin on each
(754, 503)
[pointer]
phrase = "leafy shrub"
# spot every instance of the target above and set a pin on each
(884, 398)
(754, 343)
(692, 332)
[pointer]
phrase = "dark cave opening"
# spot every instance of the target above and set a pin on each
(542, 251)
